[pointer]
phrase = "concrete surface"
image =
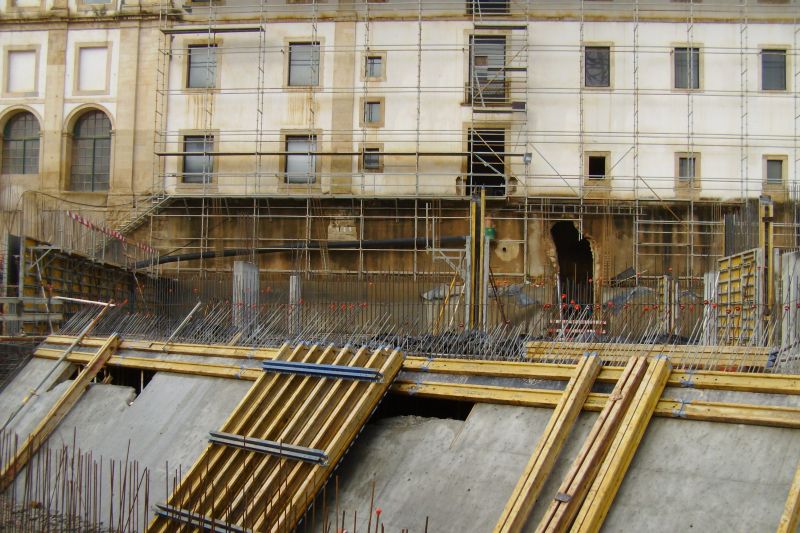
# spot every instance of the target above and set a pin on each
(25, 381)
(686, 476)
(168, 423)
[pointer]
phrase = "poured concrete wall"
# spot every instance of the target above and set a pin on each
(167, 424)
(686, 475)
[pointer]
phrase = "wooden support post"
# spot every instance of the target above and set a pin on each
(520, 504)
(791, 512)
(584, 468)
(57, 413)
(626, 441)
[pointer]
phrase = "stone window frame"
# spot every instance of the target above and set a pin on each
(76, 65)
(362, 102)
(700, 66)
(611, 65)
(214, 174)
(787, 66)
(216, 42)
(7, 50)
(688, 183)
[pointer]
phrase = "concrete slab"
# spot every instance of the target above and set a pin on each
(29, 378)
(168, 423)
(687, 475)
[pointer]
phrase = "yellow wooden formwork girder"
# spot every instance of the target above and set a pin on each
(524, 496)
(581, 475)
(56, 414)
(791, 511)
(626, 441)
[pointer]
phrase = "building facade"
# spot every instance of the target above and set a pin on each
(608, 137)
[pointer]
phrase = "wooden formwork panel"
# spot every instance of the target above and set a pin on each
(233, 488)
(739, 297)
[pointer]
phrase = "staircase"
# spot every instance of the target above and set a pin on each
(142, 210)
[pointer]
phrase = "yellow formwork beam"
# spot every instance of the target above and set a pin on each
(626, 441)
(791, 512)
(773, 416)
(56, 414)
(523, 498)
(701, 379)
(581, 475)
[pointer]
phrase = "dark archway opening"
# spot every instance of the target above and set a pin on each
(575, 263)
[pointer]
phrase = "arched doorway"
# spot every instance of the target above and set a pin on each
(575, 262)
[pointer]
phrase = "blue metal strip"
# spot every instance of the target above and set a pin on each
(323, 371)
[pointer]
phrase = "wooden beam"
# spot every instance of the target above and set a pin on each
(759, 415)
(523, 498)
(791, 512)
(56, 414)
(609, 478)
(693, 356)
(581, 474)
(701, 379)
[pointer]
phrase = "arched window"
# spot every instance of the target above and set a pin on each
(21, 144)
(91, 152)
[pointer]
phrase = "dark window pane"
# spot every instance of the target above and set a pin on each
(372, 112)
(597, 167)
(21, 145)
(686, 168)
(773, 70)
(372, 159)
(374, 67)
(91, 152)
(775, 171)
(304, 64)
(487, 161)
(598, 66)
(687, 68)
(487, 7)
(202, 67)
(198, 168)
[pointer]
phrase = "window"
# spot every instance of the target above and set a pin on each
(372, 112)
(688, 167)
(372, 160)
(487, 70)
(687, 68)
(202, 66)
(773, 70)
(303, 64)
(301, 161)
(487, 7)
(374, 67)
(597, 66)
(91, 152)
(775, 166)
(596, 166)
(21, 145)
(198, 168)
(487, 161)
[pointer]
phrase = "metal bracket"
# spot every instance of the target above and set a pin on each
(562, 497)
(323, 371)
(681, 411)
(289, 451)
